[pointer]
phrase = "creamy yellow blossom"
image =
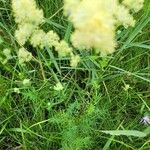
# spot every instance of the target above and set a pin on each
(95, 22)
(75, 59)
(126, 87)
(24, 32)
(52, 38)
(24, 55)
(63, 48)
(41, 39)
(123, 16)
(94, 25)
(28, 17)
(16, 90)
(58, 87)
(7, 53)
(70, 5)
(37, 38)
(25, 11)
(26, 82)
(136, 5)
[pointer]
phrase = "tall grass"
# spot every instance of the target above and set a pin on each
(95, 95)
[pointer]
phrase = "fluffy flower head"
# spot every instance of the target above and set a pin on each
(41, 39)
(25, 11)
(24, 55)
(28, 17)
(7, 53)
(24, 32)
(63, 48)
(75, 59)
(136, 5)
(95, 22)
(58, 87)
(37, 38)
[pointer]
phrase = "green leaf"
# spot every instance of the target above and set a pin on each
(126, 133)
(18, 130)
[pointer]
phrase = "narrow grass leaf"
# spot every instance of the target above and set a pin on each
(126, 133)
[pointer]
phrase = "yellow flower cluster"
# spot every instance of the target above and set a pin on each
(136, 5)
(26, 82)
(29, 17)
(123, 16)
(63, 48)
(24, 56)
(95, 22)
(58, 87)
(24, 32)
(75, 59)
(42, 39)
(25, 11)
(7, 55)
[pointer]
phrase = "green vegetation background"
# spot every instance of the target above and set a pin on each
(95, 95)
